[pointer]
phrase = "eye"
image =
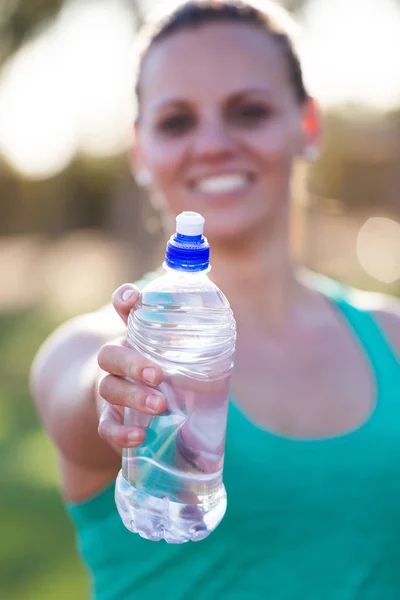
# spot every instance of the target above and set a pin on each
(176, 124)
(248, 113)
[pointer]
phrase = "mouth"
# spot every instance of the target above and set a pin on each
(222, 184)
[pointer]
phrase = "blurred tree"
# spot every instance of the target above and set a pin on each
(20, 19)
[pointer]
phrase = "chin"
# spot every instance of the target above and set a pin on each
(231, 226)
(231, 219)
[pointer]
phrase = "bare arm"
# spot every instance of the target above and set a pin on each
(65, 379)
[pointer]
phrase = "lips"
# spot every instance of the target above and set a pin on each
(222, 184)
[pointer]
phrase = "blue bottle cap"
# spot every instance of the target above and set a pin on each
(188, 249)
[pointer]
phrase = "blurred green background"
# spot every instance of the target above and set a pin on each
(74, 226)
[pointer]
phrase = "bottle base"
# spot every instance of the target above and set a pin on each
(161, 518)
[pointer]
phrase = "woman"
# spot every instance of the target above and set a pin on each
(313, 439)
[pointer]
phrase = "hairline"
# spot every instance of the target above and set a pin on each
(225, 20)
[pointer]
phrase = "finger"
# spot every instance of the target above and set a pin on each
(114, 432)
(125, 362)
(121, 392)
(124, 299)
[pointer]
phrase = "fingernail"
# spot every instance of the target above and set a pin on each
(153, 401)
(149, 374)
(134, 436)
(127, 294)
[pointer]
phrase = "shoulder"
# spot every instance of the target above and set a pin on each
(101, 324)
(385, 309)
(74, 340)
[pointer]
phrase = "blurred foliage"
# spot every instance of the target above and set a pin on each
(20, 19)
(77, 197)
(37, 557)
(360, 161)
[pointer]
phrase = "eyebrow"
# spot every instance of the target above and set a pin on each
(179, 102)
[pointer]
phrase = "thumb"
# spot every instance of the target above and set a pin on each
(124, 299)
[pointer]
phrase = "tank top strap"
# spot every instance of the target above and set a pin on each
(382, 356)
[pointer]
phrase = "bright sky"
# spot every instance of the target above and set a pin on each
(352, 51)
(72, 88)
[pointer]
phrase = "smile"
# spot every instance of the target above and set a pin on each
(222, 184)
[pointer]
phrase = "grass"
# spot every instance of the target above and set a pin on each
(38, 560)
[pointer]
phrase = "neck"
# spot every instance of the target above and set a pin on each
(257, 276)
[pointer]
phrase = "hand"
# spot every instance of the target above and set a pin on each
(120, 362)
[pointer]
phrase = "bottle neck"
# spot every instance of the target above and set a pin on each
(182, 273)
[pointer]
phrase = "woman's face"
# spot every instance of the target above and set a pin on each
(220, 126)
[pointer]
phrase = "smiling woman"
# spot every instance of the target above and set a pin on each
(227, 144)
(313, 436)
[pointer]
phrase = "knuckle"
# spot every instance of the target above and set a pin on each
(103, 356)
(124, 440)
(116, 393)
(116, 295)
(137, 396)
(120, 395)
(103, 430)
(134, 438)
(133, 369)
(104, 387)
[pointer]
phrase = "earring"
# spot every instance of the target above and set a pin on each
(311, 153)
(143, 178)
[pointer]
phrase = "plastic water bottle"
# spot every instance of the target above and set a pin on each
(171, 486)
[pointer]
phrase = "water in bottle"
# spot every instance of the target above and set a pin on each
(171, 486)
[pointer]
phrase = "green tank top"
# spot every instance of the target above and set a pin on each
(306, 520)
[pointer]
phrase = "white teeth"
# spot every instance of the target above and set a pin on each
(222, 183)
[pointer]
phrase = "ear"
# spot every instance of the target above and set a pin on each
(311, 127)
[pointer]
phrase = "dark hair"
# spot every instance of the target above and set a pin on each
(194, 13)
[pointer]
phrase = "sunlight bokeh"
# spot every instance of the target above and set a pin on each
(352, 51)
(37, 124)
(69, 90)
(378, 249)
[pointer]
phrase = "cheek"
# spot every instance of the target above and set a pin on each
(275, 144)
(164, 161)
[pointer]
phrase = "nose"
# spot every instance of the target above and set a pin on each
(213, 140)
